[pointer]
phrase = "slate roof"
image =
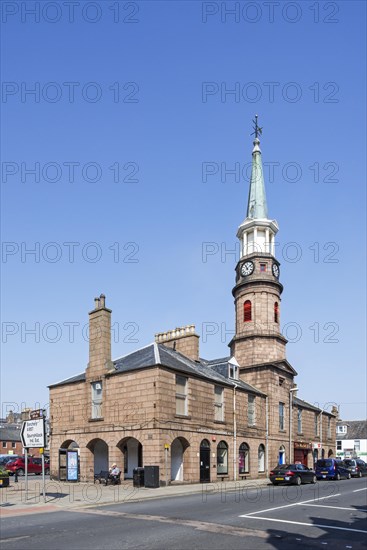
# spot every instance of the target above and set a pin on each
(77, 378)
(9, 433)
(307, 405)
(158, 354)
(356, 429)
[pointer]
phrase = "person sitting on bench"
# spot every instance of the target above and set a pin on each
(114, 473)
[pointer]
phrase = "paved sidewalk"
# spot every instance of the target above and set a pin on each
(69, 496)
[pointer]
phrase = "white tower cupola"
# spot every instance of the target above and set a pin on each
(257, 232)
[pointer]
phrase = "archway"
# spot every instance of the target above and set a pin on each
(330, 453)
(261, 458)
(132, 450)
(281, 455)
(244, 459)
(204, 461)
(222, 458)
(178, 448)
(99, 448)
(67, 445)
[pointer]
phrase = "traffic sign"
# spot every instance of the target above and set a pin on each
(33, 433)
(37, 413)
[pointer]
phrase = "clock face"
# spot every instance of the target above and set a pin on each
(275, 269)
(247, 268)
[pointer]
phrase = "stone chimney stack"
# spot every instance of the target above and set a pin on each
(99, 339)
(182, 339)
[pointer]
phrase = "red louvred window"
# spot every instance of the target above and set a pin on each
(276, 312)
(247, 311)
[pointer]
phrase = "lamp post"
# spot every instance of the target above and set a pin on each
(291, 390)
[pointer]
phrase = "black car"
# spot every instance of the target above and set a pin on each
(293, 474)
(356, 466)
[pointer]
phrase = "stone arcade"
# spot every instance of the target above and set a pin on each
(198, 420)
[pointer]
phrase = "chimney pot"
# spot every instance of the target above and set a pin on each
(96, 303)
(102, 299)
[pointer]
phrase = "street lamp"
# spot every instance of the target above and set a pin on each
(291, 390)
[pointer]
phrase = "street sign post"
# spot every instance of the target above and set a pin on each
(33, 435)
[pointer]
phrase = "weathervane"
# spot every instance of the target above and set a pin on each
(258, 131)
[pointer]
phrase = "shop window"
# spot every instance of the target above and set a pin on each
(222, 458)
(244, 459)
(261, 457)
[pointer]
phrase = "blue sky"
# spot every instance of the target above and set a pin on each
(146, 90)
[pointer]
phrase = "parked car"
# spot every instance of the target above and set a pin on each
(331, 468)
(362, 466)
(356, 466)
(4, 459)
(18, 465)
(292, 474)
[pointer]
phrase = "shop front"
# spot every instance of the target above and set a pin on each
(301, 452)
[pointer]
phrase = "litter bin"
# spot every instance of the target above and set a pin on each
(152, 477)
(138, 477)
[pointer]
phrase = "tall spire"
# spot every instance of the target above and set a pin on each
(256, 206)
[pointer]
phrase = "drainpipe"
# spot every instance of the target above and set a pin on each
(267, 436)
(321, 432)
(290, 422)
(234, 435)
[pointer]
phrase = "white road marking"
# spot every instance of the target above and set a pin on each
(307, 524)
(336, 507)
(289, 505)
(16, 538)
(357, 490)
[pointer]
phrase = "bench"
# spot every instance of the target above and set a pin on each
(104, 477)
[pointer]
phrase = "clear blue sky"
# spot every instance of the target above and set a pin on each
(147, 92)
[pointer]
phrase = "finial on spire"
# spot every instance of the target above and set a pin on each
(257, 129)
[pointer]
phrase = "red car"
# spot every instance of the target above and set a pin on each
(34, 466)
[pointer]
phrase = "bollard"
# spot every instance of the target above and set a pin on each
(15, 476)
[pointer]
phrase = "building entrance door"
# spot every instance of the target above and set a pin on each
(300, 455)
(205, 461)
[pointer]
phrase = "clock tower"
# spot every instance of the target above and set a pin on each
(258, 339)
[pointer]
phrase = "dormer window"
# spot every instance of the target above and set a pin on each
(341, 429)
(233, 371)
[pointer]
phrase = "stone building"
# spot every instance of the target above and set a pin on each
(198, 420)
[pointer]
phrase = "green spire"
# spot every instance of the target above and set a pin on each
(257, 207)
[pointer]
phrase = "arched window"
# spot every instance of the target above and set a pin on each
(244, 459)
(276, 312)
(247, 315)
(261, 456)
(222, 458)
